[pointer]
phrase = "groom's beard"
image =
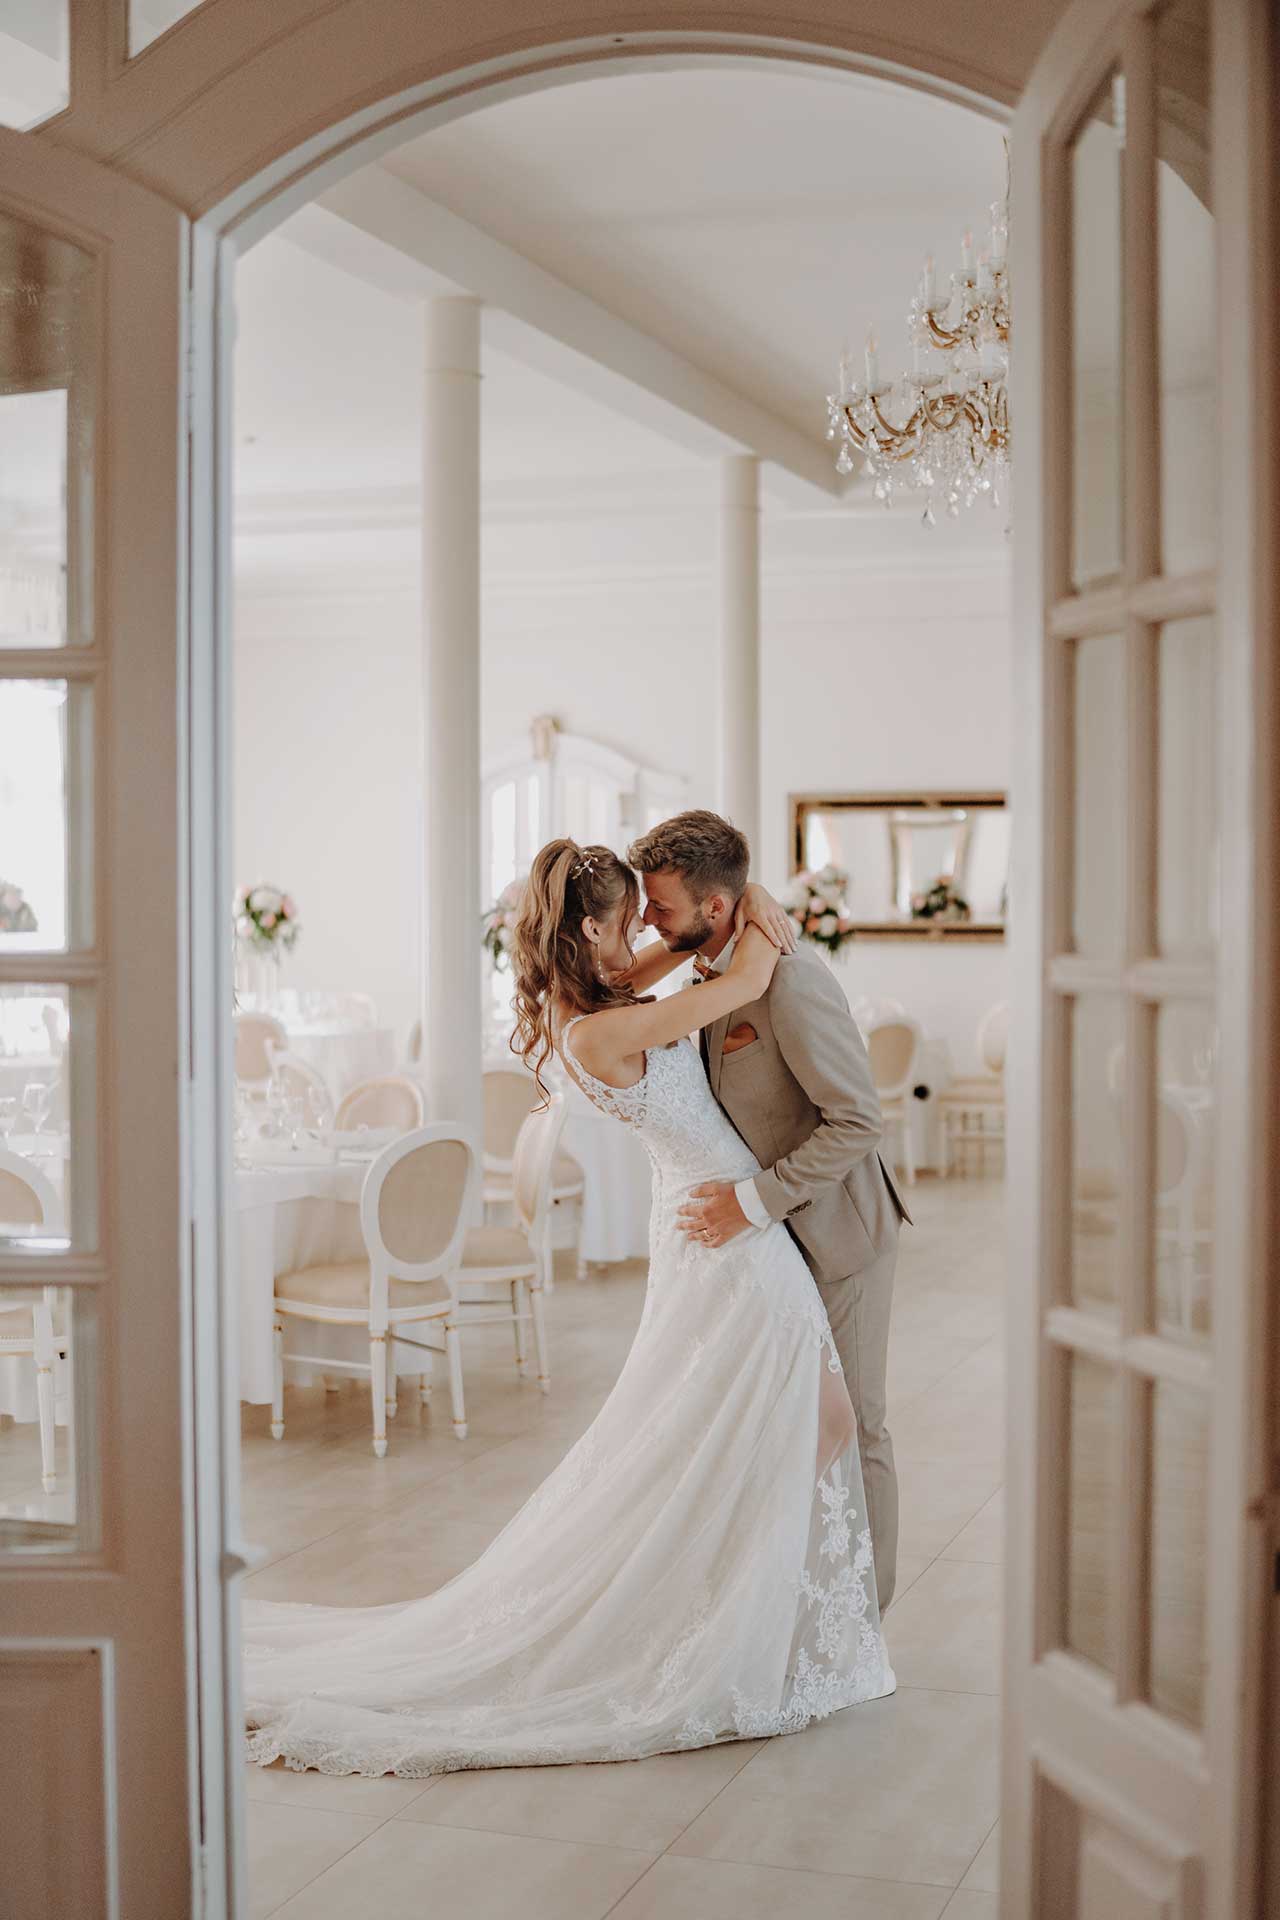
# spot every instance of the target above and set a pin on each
(690, 938)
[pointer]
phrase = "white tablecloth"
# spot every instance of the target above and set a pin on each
(345, 1055)
(617, 1193)
(289, 1217)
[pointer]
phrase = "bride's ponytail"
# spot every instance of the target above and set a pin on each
(555, 963)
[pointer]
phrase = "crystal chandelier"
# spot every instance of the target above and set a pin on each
(943, 427)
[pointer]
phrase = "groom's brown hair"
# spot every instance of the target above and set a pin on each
(708, 853)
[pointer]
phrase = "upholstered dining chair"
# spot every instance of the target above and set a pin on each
(414, 1206)
(505, 1270)
(893, 1044)
(391, 1100)
(30, 1319)
(972, 1108)
(300, 1081)
(510, 1095)
(255, 1033)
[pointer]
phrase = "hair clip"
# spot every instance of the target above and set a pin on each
(587, 864)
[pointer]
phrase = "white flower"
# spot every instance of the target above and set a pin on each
(244, 926)
(828, 924)
(798, 892)
(819, 903)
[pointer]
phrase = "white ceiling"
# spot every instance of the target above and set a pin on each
(749, 220)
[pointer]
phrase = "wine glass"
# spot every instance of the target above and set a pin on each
(8, 1114)
(277, 1107)
(37, 1097)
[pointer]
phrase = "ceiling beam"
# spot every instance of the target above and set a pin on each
(386, 231)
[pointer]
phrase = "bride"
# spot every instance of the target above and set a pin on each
(698, 1568)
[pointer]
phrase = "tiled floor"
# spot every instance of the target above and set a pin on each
(885, 1812)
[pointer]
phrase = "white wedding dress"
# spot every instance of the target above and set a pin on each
(683, 1577)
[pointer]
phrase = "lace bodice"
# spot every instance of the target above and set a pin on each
(673, 1112)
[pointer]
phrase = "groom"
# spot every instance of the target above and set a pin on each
(791, 1072)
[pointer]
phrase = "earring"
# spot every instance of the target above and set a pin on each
(600, 966)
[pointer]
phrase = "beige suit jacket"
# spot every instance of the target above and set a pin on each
(802, 1097)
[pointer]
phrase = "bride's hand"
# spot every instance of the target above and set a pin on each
(758, 908)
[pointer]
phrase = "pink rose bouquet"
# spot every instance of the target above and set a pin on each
(816, 902)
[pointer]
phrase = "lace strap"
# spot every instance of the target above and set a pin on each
(610, 1100)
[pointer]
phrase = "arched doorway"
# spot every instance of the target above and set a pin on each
(198, 121)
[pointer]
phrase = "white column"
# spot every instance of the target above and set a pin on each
(451, 1021)
(739, 680)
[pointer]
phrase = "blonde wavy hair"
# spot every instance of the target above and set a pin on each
(555, 964)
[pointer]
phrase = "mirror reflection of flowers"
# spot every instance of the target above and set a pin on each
(15, 910)
(498, 928)
(939, 902)
(266, 920)
(817, 903)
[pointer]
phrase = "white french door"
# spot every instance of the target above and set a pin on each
(99, 1790)
(1139, 1498)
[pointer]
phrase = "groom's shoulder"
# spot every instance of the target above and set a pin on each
(804, 975)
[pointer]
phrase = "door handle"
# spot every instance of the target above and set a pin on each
(241, 1558)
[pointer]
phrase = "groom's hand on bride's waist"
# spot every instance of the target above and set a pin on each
(712, 1214)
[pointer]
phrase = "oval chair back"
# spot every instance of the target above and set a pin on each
(993, 1037)
(255, 1032)
(28, 1197)
(532, 1164)
(300, 1081)
(391, 1100)
(893, 1046)
(510, 1095)
(416, 1205)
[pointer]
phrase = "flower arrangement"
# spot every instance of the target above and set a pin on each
(816, 902)
(498, 928)
(15, 910)
(939, 902)
(266, 920)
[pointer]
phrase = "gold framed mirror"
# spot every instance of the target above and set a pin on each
(915, 866)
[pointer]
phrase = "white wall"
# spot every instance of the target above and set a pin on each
(885, 666)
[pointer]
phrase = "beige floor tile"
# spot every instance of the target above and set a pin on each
(955, 1422)
(973, 1906)
(946, 1633)
(640, 1803)
(937, 1499)
(345, 1793)
(409, 1872)
(983, 1538)
(901, 1789)
(290, 1846)
(678, 1889)
(348, 1569)
(984, 1874)
(910, 1567)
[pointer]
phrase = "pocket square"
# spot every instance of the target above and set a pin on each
(740, 1037)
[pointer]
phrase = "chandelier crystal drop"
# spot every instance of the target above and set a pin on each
(943, 428)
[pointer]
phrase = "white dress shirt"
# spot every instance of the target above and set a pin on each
(748, 1199)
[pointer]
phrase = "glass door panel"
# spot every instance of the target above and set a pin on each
(1179, 1556)
(35, 61)
(1092, 1508)
(49, 1418)
(1097, 866)
(1096, 173)
(48, 403)
(1097, 1091)
(1188, 853)
(1184, 1199)
(1188, 284)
